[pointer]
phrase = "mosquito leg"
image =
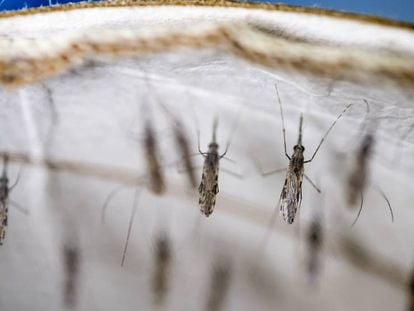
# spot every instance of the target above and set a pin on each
(381, 192)
(230, 160)
(198, 144)
(268, 230)
(131, 222)
(181, 171)
(327, 132)
(17, 179)
(108, 200)
(360, 209)
(313, 184)
(283, 122)
(20, 208)
(268, 173)
(237, 175)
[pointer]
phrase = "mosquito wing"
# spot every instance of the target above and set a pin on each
(291, 196)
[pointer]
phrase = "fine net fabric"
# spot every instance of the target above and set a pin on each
(76, 130)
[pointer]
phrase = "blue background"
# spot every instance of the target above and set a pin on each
(398, 9)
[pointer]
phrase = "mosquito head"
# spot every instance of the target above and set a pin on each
(299, 148)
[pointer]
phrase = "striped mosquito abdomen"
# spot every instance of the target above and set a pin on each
(209, 188)
(156, 176)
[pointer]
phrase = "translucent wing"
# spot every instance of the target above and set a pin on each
(291, 196)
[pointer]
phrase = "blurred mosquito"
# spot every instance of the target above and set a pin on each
(156, 175)
(71, 259)
(219, 286)
(181, 139)
(314, 245)
(162, 268)
(291, 197)
(5, 191)
(183, 146)
(357, 178)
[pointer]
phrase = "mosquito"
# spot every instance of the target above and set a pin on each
(71, 258)
(219, 286)
(357, 179)
(291, 197)
(162, 268)
(5, 191)
(209, 187)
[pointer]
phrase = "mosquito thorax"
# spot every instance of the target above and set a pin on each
(213, 148)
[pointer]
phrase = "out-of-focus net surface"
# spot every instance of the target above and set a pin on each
(77, 102)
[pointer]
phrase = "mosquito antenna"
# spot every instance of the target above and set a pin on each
(327, 132)
(360, 209)
(131, 221)
(283, 121)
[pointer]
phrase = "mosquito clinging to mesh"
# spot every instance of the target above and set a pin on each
(209, 187)
(291, 197)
